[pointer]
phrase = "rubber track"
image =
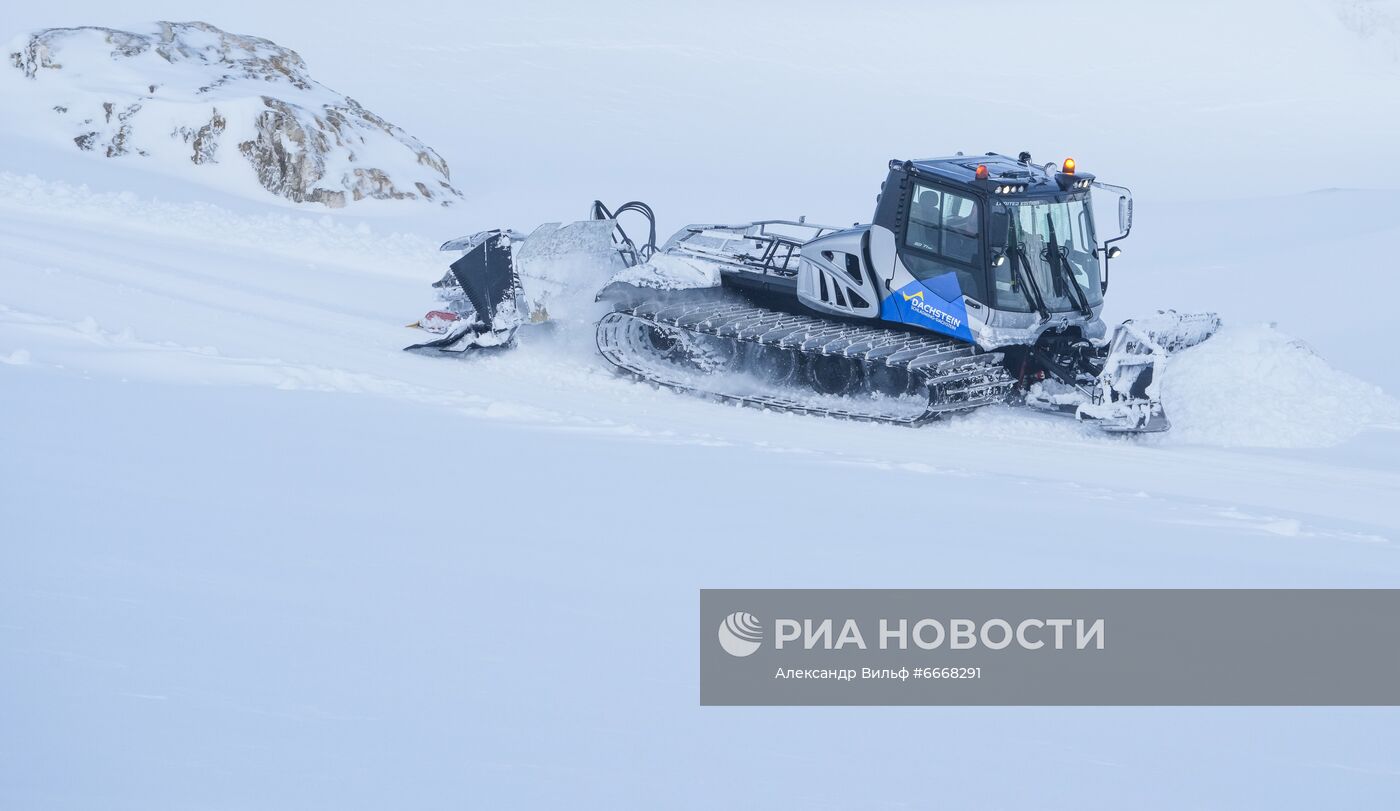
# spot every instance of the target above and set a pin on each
(959, 378)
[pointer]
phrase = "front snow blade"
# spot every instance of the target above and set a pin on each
(1127, 396)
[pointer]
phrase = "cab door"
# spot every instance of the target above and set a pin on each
(940, 250)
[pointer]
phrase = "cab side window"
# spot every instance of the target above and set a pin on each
(925, 220)
(961, 234)
(943, 223)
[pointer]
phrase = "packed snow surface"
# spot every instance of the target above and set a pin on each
(216, 446)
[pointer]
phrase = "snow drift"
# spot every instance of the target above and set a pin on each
(1254, 386)
(217, 106)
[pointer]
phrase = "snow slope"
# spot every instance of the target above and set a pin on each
(258, 554)
(253, 555)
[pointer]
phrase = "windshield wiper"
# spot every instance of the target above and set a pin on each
(1059, 264)
(1029, 287)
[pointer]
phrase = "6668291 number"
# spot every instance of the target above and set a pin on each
(947, 672)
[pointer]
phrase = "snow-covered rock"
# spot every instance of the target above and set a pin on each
(218, 105)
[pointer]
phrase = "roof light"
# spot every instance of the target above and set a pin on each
(981, 171)
(1069, 166)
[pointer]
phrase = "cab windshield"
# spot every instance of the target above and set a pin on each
(1065, 274)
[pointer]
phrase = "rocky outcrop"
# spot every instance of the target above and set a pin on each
(202, 96)
(204, 142)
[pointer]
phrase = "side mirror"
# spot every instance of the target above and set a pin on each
(1125, 214)
(1115, 252)
(998, 260)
